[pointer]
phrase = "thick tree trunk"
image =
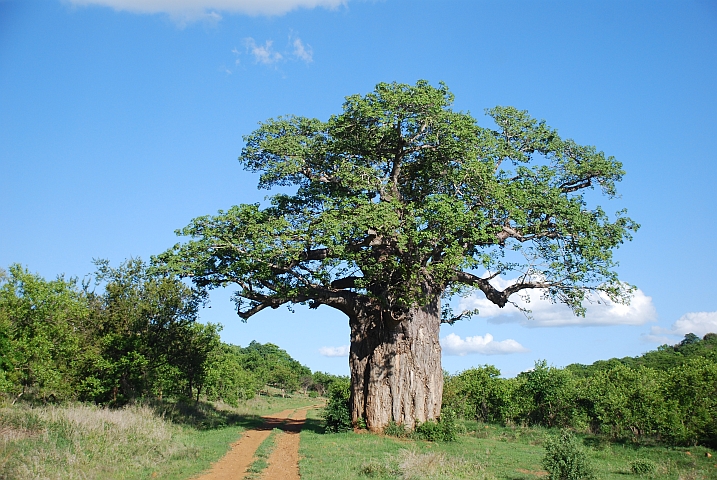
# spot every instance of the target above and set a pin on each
(396, 372)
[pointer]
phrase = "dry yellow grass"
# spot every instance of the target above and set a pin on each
(82, 441)
(170, 439)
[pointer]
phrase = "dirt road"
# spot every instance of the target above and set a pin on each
(284, 460)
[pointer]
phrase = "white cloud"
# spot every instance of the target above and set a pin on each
(188, 10)
(262, 54)
(302, 52)
(455, 345)
(601, 311)
(342, 351)
(266, 54)
(699, 323)
(211, 17)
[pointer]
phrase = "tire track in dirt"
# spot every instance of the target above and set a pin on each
(234, 464)
(284, 460)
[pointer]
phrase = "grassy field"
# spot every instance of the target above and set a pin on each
(161, 440)
(483, 452)
(178, 441)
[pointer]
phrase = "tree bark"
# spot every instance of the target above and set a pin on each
(396, 372)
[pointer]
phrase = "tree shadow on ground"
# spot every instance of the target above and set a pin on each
(314, 425)
(201, 415)
(603, 442)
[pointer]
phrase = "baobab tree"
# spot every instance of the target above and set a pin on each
(397, 204)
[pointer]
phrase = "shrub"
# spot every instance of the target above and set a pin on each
(565, 458)
(394, 429)
(430, 430)
(337, 414)
(643, 466)
(450, 426)
(313, 394)
(444, 430)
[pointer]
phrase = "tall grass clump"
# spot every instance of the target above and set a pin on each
(410, 464)
(81, 441)
(565, 458)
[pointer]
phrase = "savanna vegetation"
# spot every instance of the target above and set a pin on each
(392, 207)
(127, 334)
(114, 377)
(667, 396)
(170, 439)
(487, 451)
(652, 416)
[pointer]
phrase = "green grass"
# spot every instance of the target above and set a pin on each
(262, 454)
(483, 452)
(171, 440)
(175, 440)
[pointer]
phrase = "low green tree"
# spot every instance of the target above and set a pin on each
(41, 325)
(628, 402)
(692, 388)
(226, 379)
(547, 394)
(146, 331)
(477, 393)
(198, 342)
(322, 381)
(337, 414)
(273, 366)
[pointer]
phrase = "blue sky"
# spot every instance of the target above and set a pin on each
(121, 120)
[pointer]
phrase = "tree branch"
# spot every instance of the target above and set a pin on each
(577, 185)
(343, 283)
(490, 292)
(454, 319)
(340, 299)
(496, 296)
(509, 232)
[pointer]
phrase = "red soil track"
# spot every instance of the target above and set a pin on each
(283, 461)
